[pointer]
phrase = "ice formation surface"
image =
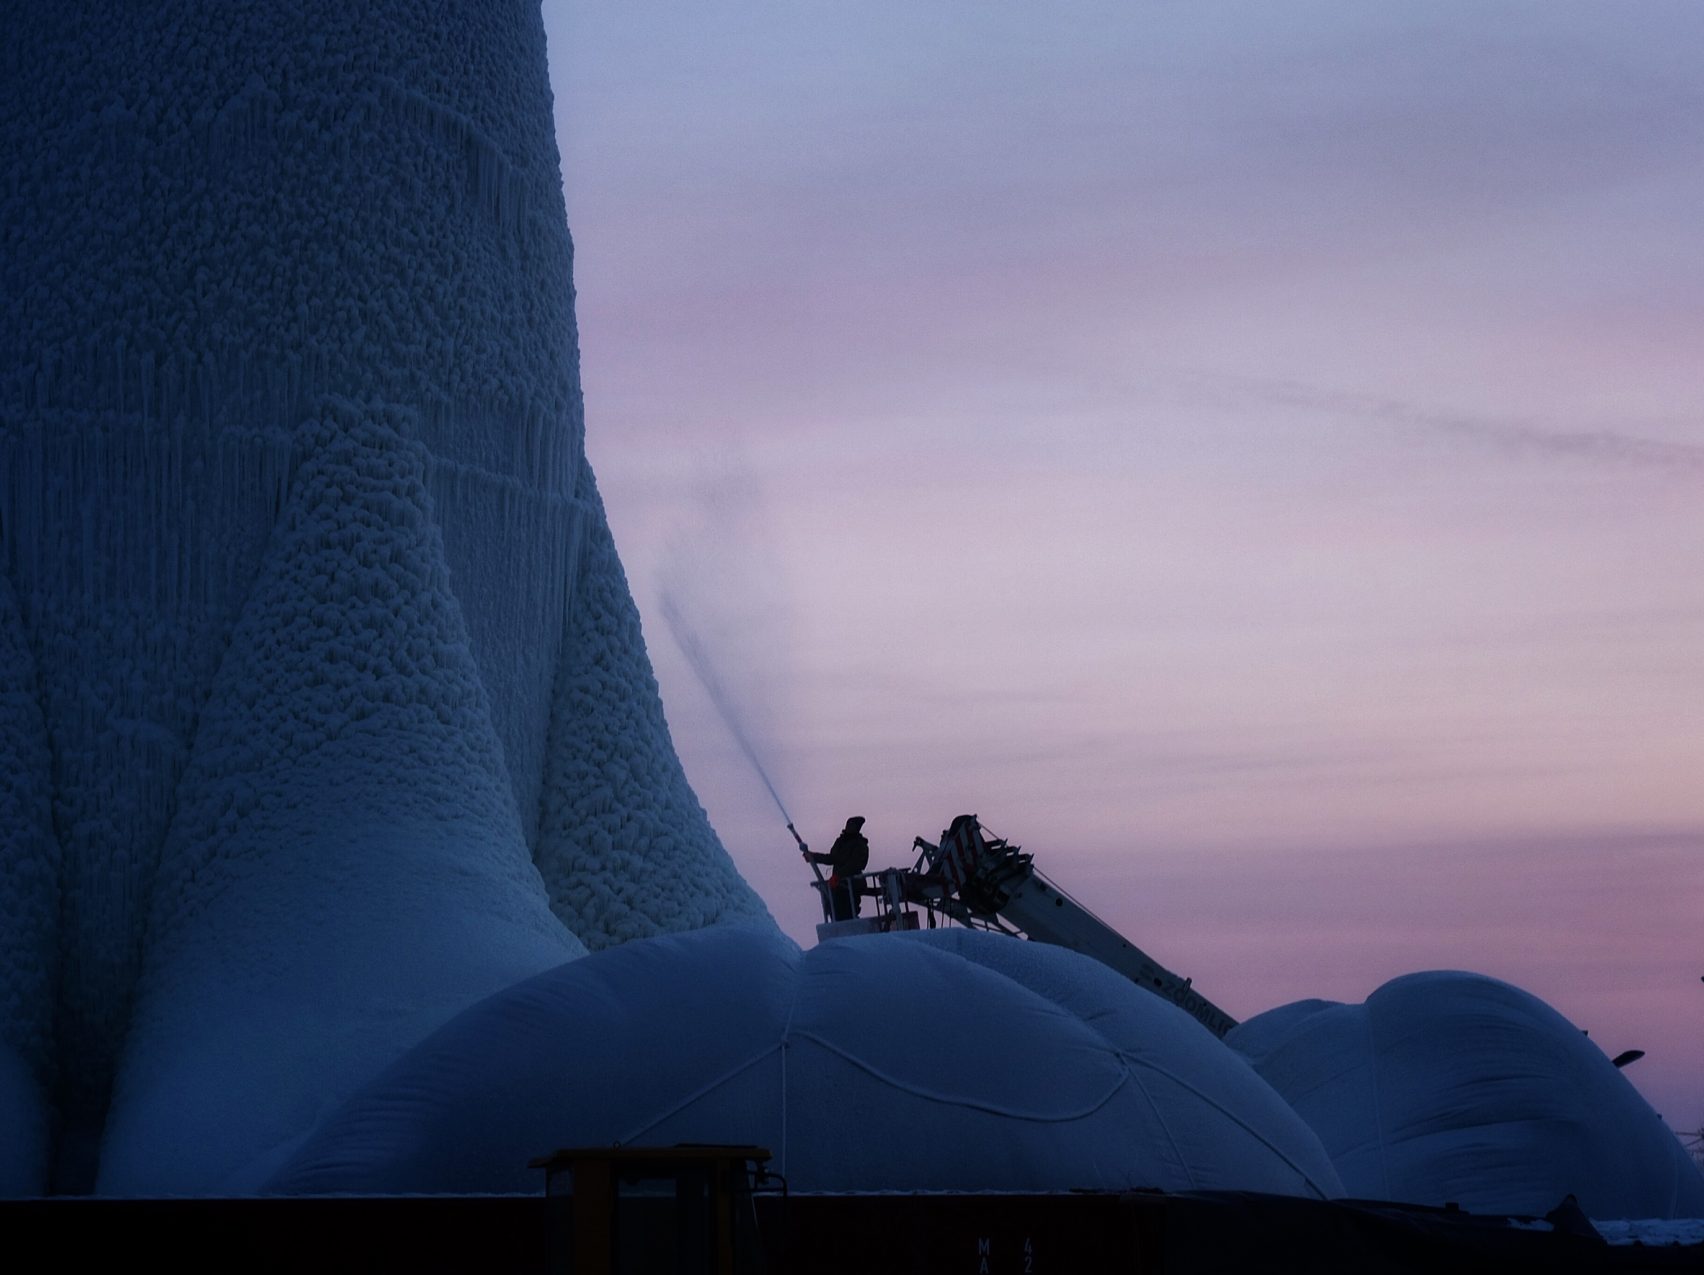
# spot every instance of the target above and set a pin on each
(224, 221)
(1448, 1087)
(29, 886)
(950, 1061)
(327, 732)
(346, 823)
(611, 812)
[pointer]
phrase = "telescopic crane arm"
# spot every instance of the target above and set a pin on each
(984, 882)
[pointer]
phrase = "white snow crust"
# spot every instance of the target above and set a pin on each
(345, 870)
(1452, 1087)
(624, 847)
(943, 1062)
(219, 217)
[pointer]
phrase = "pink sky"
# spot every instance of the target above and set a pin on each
(1251, 455)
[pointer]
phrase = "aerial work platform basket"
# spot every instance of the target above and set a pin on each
(975, 879)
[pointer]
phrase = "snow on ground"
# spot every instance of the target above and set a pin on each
(1449, 1087)
(944, 1062)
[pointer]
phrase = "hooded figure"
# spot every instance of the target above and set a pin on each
(847, 857)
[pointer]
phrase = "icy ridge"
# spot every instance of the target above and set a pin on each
(624, 847)
(346, 868)
(222, 212)
(216, 216)
(130, 552)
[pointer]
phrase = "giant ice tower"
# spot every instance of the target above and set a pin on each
(329, 745)
(321, 688)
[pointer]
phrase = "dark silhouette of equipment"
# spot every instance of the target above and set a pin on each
(984, 882)
(685, 1209)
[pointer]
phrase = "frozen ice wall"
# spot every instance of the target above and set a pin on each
(219, 219)
(29, 885)
(609, 809)
(344, 820)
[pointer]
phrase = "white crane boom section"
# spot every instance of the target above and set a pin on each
(1045, 913)
(979, 881)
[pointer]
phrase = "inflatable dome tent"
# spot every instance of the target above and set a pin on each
(941, 1061)
(1456, 1088)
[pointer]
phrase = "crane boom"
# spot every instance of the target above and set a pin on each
(1048, 915)
(985, 882)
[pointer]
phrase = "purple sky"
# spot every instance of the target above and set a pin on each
(1251, 455)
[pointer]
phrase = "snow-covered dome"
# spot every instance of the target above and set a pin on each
(948, 1061)
(1450, 1087)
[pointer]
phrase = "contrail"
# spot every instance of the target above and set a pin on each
(1607, 445)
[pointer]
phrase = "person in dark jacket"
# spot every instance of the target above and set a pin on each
(848, 856)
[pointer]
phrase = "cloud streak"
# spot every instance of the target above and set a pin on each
(1511, 436)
